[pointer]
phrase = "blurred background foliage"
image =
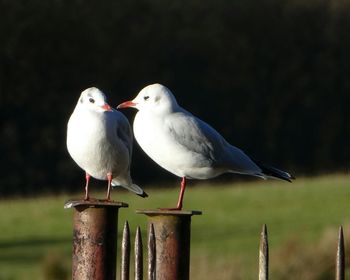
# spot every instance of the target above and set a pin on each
(271, 76)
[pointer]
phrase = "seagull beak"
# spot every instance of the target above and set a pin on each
(106, 107)
(126, 104)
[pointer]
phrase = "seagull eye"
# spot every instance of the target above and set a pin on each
(91, 100)
(145, 97)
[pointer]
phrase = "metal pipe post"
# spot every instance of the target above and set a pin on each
(94, 238)
(172, 230)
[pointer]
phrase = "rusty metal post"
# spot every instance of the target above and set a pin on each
(172, 230)
(94, 238)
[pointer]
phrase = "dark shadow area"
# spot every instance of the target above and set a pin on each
(271, 76)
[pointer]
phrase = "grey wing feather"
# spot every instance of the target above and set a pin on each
(196, 136)
(205, 140)
(124, 132)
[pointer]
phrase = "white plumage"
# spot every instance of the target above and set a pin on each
(99, 139)
(185, 145)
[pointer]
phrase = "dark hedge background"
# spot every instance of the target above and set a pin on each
(272, 76)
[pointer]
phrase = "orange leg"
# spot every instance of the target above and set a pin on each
(109, 178)
(181, 196)
(87, 180)
(182, 192)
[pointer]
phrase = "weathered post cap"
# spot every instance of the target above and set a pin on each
(94, 203)
(158, 212)
(95, 224)
(171, 233)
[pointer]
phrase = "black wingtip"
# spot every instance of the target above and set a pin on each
(274, 172)
(144, 195)
(289, 178)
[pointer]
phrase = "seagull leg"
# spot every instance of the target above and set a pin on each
(181, 196)
(109, 178)
(182, 192)
(87, 180)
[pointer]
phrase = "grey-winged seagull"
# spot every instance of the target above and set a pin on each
(185, 145)
(99, 139)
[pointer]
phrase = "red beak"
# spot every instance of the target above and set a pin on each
(126, 104)
(106, 107)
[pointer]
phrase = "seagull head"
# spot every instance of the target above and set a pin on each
(154, 98)
(93, 99)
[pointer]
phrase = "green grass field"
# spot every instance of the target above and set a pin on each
(302, 220)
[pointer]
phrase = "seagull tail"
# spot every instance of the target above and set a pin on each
(131, 187)
(272, 172)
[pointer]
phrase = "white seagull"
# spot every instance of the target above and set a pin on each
(185, 145)
(99, 139)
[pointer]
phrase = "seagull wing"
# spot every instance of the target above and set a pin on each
(199, 137)
(124, 132)
(196, 136)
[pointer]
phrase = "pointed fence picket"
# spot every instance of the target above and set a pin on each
(151, 245)
(125, 255)
(151, 253)
(264, 255)
(340, 259)
(168, 245)
(138, 255)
